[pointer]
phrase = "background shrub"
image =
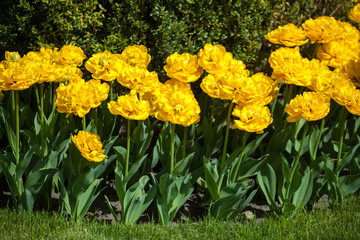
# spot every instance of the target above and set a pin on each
(162, 26)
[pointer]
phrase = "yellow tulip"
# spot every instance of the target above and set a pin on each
(130, 107)
(310, 106)
(252, 118)
(288, 35)
(354, 13)
(104, 65)
(136, 56)
(89, 145)
(183, 67)
(70, 54)
(214, 59)
(323, 29)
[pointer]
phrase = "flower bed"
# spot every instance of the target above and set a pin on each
(288, 137)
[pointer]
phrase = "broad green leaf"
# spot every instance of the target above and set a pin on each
(213, 137)
(347, 158)
(23, 164)
(134, 169)
(37, 180)
(109, 144)
(314, 134)
(295, 183)
(330, 176)
(250, 167)
(15, 186)
(211, 179)
(317, 165)
(266, 179)
(121, 154)
(86, 198)
(275, 146)
(163, 145)
(251, 147)
(349, 184)
(137, 200)
(111, 208)
(83, 181)
(288, 207)
(303, 193)
(37, 124)
(120, 185)
(297, 127)
(11, 136)
(142, 136)
(162, 210)
(232, 199)
(182, 165)
(185, 188)
(285, 169)
(27, 200)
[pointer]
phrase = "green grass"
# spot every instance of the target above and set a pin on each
(340, 223)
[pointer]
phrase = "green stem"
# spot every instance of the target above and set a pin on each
(17, 151)
(244, 140)
(111, 91)
(84, 123)
(226, 135)
(212, 111)
(294, 166)
(184, 142)
(54, 94)
(319, 137)
(42, 118)
(13, 105)
(127, 147)
(96, 120)
(344, 114)
(288, 96)
(221, 179)
(274, 104)
(172, 134)
(37, 94)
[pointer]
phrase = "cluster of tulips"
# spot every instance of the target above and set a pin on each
(75, 159)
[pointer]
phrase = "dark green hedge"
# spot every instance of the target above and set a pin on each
(162, 26)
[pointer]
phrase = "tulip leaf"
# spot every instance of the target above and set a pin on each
(27, 200)
(121, 154)
(347, 158)
(213, 139)
(134, 169)
(303, 193)
(211, 179)
(181, 165)
(86, 198)
(23, 164)
(37, 180)
(266, 179)
(111, 208)
(275, 146)
(251, 147)
(349, 184)
(142, 136)
(172, 193)
(233, 199)
(314, 135)
(285, 169)
(137, 200)
(250, 167)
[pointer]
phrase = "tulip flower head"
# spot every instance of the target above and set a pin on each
(89, 145)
